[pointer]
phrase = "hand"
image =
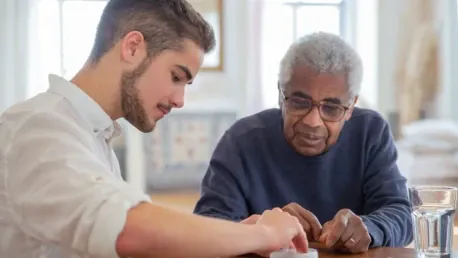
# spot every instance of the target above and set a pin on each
(283, 230)
(309, 222)
(251, 220)
(348, 229)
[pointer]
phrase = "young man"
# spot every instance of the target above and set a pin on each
(61, 194)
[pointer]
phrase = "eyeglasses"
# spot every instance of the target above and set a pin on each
(329, 112)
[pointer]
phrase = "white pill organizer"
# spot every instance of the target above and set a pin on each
(291, 253)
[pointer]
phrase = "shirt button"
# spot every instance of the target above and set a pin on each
(96, 130)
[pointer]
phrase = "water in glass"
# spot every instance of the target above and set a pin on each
(433, 228)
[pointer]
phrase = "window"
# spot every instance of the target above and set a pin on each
(284, 22)
(65, 36)
(66, 32)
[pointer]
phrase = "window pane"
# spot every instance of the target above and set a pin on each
(277, 36)
(45, 47)
(311, 19)
(80, 20)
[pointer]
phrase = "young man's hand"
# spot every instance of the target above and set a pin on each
(282, 230)
(308, 220)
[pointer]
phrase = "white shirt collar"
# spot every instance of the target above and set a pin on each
(99, 120)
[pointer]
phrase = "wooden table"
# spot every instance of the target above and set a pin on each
(383, 252)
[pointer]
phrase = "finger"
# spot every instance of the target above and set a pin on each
(325, 231)
(339, 225)
(339, 245)
(353, 241)
(312, 220)
(323, 237)
(356, 230)
(362, 245)
(277, 209)
(303, 222)
(348, 232)
(300, 241)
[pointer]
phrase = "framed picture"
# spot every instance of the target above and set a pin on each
(212, 11)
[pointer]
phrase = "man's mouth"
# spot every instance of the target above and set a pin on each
(310, 139)
(164, 110)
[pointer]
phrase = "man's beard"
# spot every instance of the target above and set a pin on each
(131, 104)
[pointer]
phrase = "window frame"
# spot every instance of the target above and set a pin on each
(346, 11)
(60, 4)
(342, 6)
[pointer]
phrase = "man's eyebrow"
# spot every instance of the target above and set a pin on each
(187, 72)
(301, 95)
(333, 100)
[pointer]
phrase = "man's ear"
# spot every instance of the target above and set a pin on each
(351, 108)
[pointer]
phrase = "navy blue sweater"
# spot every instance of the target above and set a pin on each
(253, 168)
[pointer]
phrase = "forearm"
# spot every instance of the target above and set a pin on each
(154, 231)
(390, 226)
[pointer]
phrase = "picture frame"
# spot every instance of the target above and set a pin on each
(212, 11)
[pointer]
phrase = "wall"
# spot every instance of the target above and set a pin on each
(389, 14)
(226, 89)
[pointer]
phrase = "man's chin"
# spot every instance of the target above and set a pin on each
(310, 150)
(145, 128)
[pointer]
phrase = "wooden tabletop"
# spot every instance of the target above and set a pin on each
(383, 252)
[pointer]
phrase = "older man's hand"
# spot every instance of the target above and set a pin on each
(308, 220)
(346, 232)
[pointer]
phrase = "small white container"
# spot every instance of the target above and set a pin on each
(291, 253)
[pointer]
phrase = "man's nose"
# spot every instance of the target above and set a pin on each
(178, 98)
(313, 118)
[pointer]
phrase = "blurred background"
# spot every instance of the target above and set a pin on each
(408, 49)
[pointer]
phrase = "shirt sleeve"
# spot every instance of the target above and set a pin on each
(58, 191)
(224, 184)
(387, 205)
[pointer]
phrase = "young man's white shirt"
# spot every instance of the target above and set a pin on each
(61, 191)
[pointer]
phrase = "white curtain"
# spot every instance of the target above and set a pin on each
(447, 23)
(16, 21)
(254, 89)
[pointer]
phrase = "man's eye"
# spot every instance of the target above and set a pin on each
(175, 78)
(300, 103)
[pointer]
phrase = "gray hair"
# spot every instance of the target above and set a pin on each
(323, 53)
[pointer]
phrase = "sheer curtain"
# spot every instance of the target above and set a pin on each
(16, 26)
(254, 33)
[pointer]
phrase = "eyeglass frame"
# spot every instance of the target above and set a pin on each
(317, 104)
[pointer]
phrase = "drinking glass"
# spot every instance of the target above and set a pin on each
(433, 212)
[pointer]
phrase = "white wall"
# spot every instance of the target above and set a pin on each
(226, 89)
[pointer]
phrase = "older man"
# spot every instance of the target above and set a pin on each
(325, 161)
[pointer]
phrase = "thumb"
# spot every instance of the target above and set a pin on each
(251, 220)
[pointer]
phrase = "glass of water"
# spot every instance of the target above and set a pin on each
(433, 212)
